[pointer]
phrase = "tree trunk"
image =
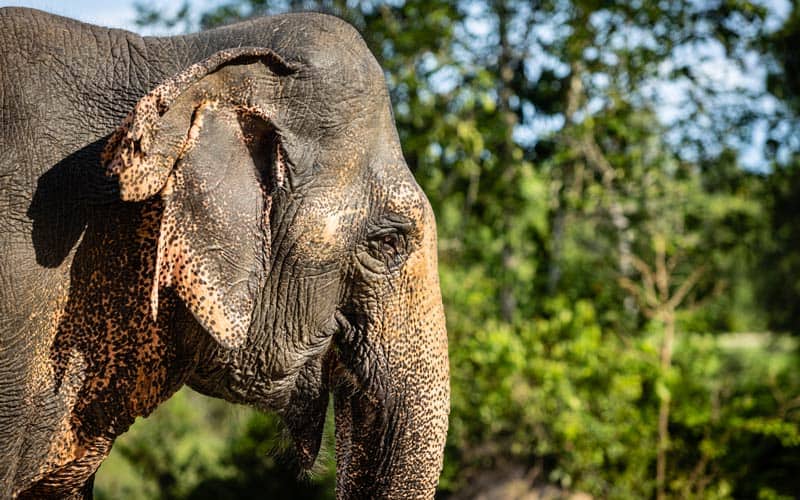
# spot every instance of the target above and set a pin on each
(663, 411)
(508, 300)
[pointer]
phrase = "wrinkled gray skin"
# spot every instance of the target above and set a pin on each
(251, 230)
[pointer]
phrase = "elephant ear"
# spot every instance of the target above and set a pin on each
(215, 157)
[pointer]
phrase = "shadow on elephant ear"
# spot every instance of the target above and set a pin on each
(127, 361)
(65, 197)
(110, 360)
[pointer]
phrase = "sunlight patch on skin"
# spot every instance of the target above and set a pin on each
(331, 229)
(42, 374)
(332, 226)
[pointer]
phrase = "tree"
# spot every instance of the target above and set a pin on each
(780, 290)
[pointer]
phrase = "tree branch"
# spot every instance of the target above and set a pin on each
(686, 287)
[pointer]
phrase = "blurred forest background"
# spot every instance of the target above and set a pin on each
(617, 186)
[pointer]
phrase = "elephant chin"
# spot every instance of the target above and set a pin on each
(305, 414)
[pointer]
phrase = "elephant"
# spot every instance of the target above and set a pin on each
(229, 210)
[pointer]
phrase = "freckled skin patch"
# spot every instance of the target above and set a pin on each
(110, 361)
(273, 248)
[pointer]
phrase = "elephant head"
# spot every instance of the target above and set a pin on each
(294, 232)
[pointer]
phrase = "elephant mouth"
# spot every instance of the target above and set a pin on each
(306, 411)
(335, 375)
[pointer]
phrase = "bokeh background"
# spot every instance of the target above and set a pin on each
(617, 186)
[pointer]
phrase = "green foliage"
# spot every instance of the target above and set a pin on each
(556, 390)
(737, 425)
(560, 392)
(779, 279)
(140, 467)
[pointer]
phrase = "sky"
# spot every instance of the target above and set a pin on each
(120, 14)
(113, 13)
(109, 13)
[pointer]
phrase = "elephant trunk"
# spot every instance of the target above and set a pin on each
(391, 389)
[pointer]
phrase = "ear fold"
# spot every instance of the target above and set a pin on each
(215, 158)
(144, 148)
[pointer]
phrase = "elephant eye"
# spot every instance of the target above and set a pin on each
(389, 244)
(389, 247)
